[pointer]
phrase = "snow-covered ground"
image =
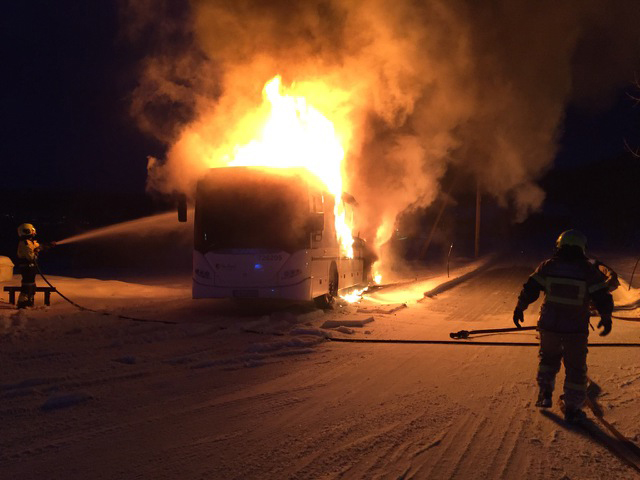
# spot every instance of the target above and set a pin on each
(224, 390)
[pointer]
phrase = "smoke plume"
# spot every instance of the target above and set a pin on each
(481, 86)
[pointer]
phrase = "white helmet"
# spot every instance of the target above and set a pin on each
(26, 230)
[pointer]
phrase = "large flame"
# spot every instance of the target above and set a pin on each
(293, 133)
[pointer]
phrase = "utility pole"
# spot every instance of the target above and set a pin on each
(477, 249)
(445, 202)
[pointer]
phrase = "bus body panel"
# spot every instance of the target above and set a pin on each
(280, 275)
(301, 277)
(247, 268)
(351, 272)
(320, 268)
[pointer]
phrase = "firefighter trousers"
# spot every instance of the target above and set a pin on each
(28, 286)
(570, 349)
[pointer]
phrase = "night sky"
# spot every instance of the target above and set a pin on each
(66, 85)
(67, 82)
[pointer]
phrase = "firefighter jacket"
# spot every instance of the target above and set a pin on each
(28, 250)
(570, 283)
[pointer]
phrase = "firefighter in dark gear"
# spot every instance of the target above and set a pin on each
(571, 283)
(28, 250)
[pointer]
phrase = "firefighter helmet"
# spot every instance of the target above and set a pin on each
(572, 238)
(26, 230)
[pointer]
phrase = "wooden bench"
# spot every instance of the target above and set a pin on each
(12, 289)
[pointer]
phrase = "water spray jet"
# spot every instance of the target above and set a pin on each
(153, 225)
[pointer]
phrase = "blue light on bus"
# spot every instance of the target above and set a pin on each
(258, 266)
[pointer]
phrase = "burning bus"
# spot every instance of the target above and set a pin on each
(272, 233)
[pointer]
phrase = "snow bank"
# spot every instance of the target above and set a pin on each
(415, 291)
(83, 288)
(6, 269)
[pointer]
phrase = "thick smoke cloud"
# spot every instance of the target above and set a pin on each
(481, 86)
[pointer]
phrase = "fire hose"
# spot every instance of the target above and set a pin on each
(599, 414)
(481, 343)
(465, 333)
(86, 309)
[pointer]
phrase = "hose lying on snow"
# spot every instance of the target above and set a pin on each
(626, 319)
(85, 309)
(449, 342)
(453, 342)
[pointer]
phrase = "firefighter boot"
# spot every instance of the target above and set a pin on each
(23, 300)
(544, 398)
(572, 415)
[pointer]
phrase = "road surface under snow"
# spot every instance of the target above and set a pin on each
(232, 391)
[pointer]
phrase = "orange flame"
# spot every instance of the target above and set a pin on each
(293, 133)
(354, 296)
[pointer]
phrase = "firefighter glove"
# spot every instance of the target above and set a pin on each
(605, 323)
(518, 317)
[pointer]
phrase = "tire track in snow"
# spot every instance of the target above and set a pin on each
(393, 458)
(511, 461)
(372, 439)
(508, 424)
(435, 463)
(492, 442)
(352, 443)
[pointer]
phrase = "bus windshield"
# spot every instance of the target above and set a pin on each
(239, 208)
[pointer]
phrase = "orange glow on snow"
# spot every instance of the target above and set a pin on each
(292, 133)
